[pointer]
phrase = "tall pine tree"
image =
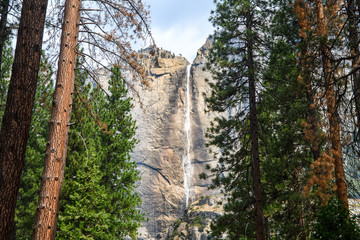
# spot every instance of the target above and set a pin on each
(235, 65)
(98, 199)
(284, 111)
(17, 115)
(31, 177)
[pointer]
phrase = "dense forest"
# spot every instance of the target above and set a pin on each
(295, 141)
(285, 87)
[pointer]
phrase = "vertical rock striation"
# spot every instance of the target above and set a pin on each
(200, 119)
(163, 140)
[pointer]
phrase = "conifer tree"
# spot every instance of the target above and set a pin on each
(234, 62)
(321, 27)
(100, 176)
(5, 69)
(31, 177)
(351, 150)
(329, 81)
(353, 36)
(82, 194)
(333, 222)
(288, 118)
(285, 106)
(17, 115)
(283, 109)
(55, 157)
(126, 21)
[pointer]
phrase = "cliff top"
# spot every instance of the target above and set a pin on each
(159, 61)
(203, 52)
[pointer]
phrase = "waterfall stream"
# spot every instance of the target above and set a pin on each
(186, 161)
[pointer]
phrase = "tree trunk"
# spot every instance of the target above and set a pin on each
(3, 31)
(17, 116)
(313, 121)
(354, 50)
(305, 61)
(301, 215)
(49, 198)
(331, 106)
(254, 136)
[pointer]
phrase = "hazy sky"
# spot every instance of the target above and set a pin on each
(181, 26)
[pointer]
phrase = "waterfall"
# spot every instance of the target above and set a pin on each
(186, 161)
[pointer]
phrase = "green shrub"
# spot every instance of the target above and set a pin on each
(333, 223)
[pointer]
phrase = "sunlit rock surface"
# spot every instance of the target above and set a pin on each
(196, 221)
(162, 145)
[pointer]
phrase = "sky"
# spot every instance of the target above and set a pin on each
(180, 26)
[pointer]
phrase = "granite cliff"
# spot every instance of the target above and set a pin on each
(171, 127)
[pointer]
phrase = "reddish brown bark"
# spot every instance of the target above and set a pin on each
(355, 54)
(331, 106)
(313, 122)
(302, 11)
(254, 136)
(17, 116)
(46, 213)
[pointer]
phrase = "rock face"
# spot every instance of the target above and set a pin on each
(163, 139)
(200, 119)
(195, 224)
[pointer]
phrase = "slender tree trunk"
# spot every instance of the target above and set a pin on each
(301, 216)
(305, 61)
(331, 106)
(354, 50)
(68, 121)
(17, 116)
(4, 10)
(254, 136)
(312, 136)
(52, 179)
(312, 119)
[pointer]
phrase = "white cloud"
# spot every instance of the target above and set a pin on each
(180, 26)
(184, 39)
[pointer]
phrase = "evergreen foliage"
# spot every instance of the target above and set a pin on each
(285, 41)
(31, 177)
(98, 199)
(333, 223)
(238, 32)
(285, 105)
(5, 69)
(283, 111)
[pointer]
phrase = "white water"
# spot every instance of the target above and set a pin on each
(186, 161)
